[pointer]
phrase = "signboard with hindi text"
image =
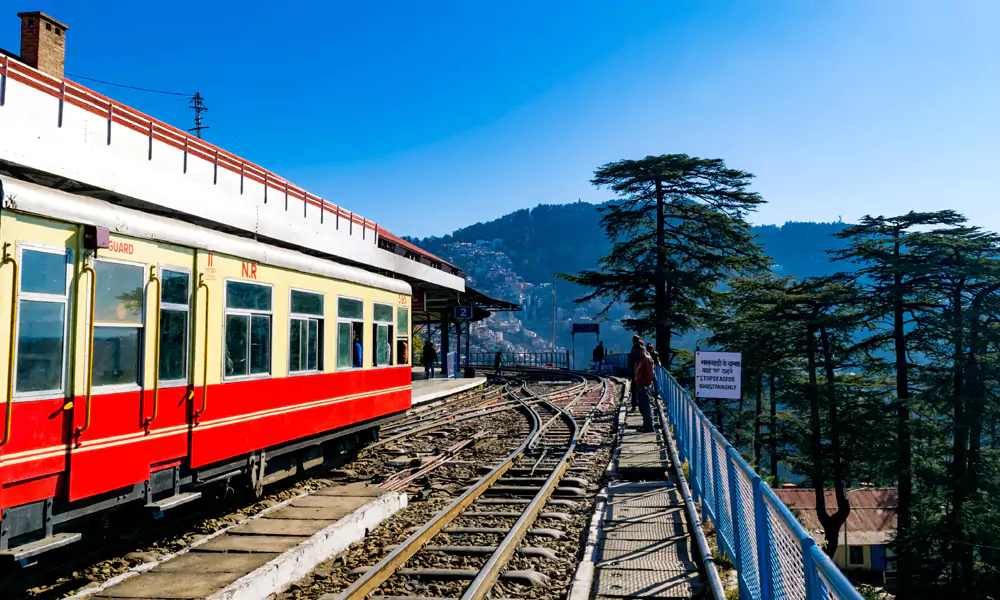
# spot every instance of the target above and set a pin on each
(718, 374)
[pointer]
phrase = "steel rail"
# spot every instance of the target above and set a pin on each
(490, 573)
(410, 425)
(431, 411)
(371, 580)
(476, 413)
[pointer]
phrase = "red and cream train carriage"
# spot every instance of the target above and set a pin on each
(169, 355)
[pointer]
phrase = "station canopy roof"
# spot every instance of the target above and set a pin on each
(433, 304)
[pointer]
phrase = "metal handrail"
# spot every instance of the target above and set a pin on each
(156, 348)
(89, 270)
(718, 473)
(712, 574)
(9, 400)
(204, 368)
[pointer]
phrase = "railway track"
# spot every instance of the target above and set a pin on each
(126, 543)
(511, 519)
(534, 419)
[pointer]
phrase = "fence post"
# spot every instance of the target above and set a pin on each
(716, 495)
(809, 569)
(734, 510)
(694, 464)
(705, 492)
(763, 534)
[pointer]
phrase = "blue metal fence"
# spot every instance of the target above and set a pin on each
(775, 558)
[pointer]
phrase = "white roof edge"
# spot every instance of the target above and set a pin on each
(40, 200)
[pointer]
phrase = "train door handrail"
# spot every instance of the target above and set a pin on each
(204, 368)
(89, 270)
(156, 348)
(9, 400)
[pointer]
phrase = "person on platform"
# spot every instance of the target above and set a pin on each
(655, 356)
(357, 351)
(430, 357)
(598, 357)
(637, 350)
(642, 386)
(497, 361)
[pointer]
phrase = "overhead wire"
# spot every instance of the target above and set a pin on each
(131, 87)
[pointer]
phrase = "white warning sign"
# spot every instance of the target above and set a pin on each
(717, 374)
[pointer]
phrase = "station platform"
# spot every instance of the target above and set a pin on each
(263, 554)
(640, 545)
(428, 390)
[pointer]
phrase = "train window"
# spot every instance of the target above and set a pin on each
(174, 319)
(382, 330)
(305, 335)
(402, 339)
(41, 329)
(117, 323)
(350, 323)
(248, 329)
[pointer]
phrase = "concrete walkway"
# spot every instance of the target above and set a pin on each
(263, 555)
(643, 547)
(428, 390)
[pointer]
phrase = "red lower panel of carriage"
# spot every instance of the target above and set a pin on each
(47, 457)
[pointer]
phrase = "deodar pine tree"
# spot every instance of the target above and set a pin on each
(677, 230)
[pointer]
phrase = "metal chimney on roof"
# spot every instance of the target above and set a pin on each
(43, 43)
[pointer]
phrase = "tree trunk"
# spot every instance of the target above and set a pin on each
(904, 460)
(815, 433)
(757, 446)
(772, 434)
(833, 523)
(661, 318)
(975, 389)
(960, 444)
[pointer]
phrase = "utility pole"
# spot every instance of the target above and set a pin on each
(553, 312)
(198, 104)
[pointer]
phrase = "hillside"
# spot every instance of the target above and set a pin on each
(514, 258)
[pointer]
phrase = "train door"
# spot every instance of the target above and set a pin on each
(36, 283)
(131, 420)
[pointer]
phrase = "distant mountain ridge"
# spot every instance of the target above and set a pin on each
(567, 238)
(528, 246)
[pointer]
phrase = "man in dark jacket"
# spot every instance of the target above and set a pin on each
(497, 361)
(598, 357)
(633, 356)
(429, 358)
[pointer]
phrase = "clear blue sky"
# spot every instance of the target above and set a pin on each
(427, 116)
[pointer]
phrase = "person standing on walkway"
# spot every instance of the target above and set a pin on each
(429, 358)
(497, 361)
(598, 357)
(633, 356)
(641, 388)
(655, 356)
